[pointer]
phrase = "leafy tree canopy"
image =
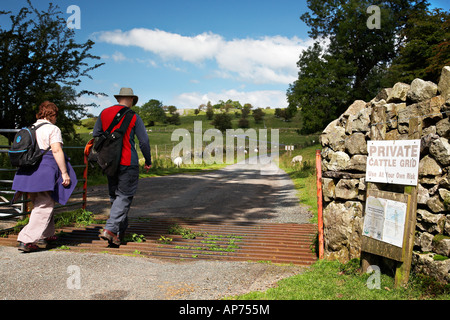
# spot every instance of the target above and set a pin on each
(152, 111)
(425, 49)
(350, 61)
(41, 61)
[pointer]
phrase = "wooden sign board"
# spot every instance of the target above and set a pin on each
(371, 246)
(384, 223)
(403, 254)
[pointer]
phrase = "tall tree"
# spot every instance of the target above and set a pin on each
(425, 49)
(320, 91)
(351, 57)
(41, 61)
(209, 111)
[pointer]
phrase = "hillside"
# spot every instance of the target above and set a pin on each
(160, 134)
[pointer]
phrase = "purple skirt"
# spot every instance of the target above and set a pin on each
(45, 177)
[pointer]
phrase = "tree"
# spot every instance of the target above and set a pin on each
(219, 104)
(209, 111)
(234, 104)
(320, 93)
(243, 123)
(201, 107)
(172, 109)
(425, 49)
(277, 112)
(174, 119)
(227, 107)
(41, 61)
(246, 110)
(152, 111)
(354, 60)
(290, 112)
(174, 115)
(222, 121)
(258, 115)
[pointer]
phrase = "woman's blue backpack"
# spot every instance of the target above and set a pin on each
(25, 152)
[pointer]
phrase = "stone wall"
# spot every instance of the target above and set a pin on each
(419, 110)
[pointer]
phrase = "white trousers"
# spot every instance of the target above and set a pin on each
(41, 224)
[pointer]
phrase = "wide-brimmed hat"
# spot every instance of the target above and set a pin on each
(127, 92)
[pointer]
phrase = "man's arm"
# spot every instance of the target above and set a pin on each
(144, 142)
(98, 127)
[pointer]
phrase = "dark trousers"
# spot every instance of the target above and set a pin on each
(122, 187)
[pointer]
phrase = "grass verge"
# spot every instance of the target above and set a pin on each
(303, 176)
(332, 280)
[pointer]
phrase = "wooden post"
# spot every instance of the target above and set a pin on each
(403, 269)
(85, 177)
(319, 203)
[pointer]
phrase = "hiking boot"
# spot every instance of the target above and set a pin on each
(28, 247)
(110, 237)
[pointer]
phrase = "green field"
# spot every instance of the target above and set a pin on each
(163, 140)
(160, 134)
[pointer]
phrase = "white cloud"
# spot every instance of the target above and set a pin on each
(265, 60)
(118, 56)
(259, 99)
(165, 44)
(100, 100)
(270, 59)
(148, 62)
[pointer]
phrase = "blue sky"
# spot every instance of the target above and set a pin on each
(186, 53)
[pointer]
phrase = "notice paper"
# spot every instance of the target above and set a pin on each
(385, 220)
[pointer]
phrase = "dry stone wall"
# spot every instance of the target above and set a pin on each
(419, 110)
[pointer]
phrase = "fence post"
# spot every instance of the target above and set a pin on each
(85, 174)
(319, 202)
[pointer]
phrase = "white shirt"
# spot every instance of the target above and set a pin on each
(47, 134)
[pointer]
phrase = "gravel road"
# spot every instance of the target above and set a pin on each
(240, 192)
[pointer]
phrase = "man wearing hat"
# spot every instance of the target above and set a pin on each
(123, 185)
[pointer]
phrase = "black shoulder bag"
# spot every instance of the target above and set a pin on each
(107, 148)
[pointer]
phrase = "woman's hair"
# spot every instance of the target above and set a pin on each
(47, 110)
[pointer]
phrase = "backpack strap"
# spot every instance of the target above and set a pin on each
(126, 122)
(35, 140)
(120, 114)
(98, 142)
(39, 125)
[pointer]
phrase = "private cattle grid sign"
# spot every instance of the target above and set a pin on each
(393, 161)
(390, 218)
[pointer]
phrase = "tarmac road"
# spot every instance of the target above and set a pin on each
(238, 192)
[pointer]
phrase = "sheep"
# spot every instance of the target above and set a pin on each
(178, 161)
(298, 159)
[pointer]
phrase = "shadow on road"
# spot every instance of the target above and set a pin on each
(238, 193)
